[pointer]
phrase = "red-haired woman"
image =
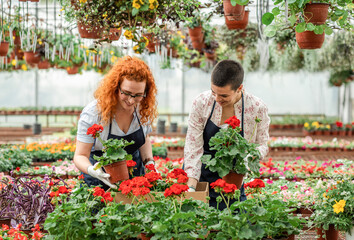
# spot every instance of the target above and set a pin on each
(125, 105)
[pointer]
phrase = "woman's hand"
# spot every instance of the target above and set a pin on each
(99, 174)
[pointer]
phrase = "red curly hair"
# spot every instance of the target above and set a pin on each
(131, 68)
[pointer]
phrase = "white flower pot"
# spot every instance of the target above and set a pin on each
(348, 236)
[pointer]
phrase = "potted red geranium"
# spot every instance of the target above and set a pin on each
(235, 156)
(114, 157)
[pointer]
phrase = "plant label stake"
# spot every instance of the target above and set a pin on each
(61, 55)
(0, 36)
(11, 36)
(46, 50)
(53, 53)
(34, 46)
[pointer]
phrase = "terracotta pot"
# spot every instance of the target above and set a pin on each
(198, 45)
(316, 13)
(118, 171)
(331, 233)
(45, 64)
(22, 0)
(85, 31)
(309, 40)
(4, 48)
(72, 70)
(152, 42)
(143, 236)
(34, 0)
(241, 24)
(32, 57)
(234, 178)
(195, 33)
(304, 210)
(210, 56)
(233, 13)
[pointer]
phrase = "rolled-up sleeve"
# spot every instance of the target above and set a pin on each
(262, 136)
(193, 149)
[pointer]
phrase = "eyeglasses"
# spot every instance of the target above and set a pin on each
(136, 97)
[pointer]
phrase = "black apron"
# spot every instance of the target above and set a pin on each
(206, 175)
(139, 140)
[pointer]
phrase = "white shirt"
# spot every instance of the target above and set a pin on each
(199, 114)
(90, 116)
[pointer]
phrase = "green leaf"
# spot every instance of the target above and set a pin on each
(267, 18)
(270, 31)
(245, 233)
(310, 27)
(276, 11)
(301, 27)
(318, 29)
(328, 30)
(292, 19)
(242, 2)
(135, 11)
(144, 7)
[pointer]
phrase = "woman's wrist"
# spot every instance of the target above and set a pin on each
(147, 160)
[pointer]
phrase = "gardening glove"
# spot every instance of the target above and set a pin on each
(191, 189)
(99, 174)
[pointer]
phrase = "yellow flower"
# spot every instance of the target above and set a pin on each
(135, 47)
(24, 67)
(114, 59)
(111, 52)
(325, 195)
(61, 9)
(104, 15)
(339, 206)
(66, 148)
(146, 40)
(128, 34)
(13, 62)
(83, 1)
(306, 125)
(328, 126)
(136, 4)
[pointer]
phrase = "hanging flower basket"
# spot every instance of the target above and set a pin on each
(242, 24)
(91, 32)
(114, 34)
(233, 13)
(32, 57)
(309, 40)
(4, 48)
(316, 13)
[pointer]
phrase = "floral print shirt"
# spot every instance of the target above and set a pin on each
(198, 117)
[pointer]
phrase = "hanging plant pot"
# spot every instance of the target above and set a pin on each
(118, 171)
(34, 0)
(309, 40)
(72, 70)
(242, 24)
(45, 64)
(234, 178)
(152, 42)
(91, 32)
(233, 13)
(32, 57)
(316, 13)
(114, 34)
(196, 33)
(4, 48)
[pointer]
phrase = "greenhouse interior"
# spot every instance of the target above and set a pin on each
(182, 119)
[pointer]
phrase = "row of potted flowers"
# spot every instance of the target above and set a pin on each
(337, 128)
(300, 169)
(308, 143)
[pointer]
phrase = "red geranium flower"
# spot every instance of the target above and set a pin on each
(233, 122)
(81, 177)
(98, 191)
(106, 197)
(176, 172)
(63, 189)
(257, 183)
(153, 176)
(176, 189)
(150, 167)
(94, 130)
(339, 124)
(131, 163)
(17, 169)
